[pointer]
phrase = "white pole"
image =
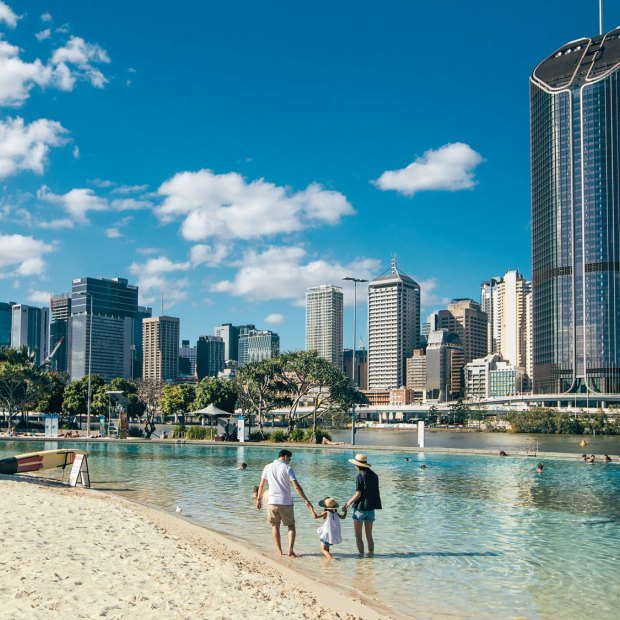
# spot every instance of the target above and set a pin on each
(421, 434)
(353, 364)
(600, 16)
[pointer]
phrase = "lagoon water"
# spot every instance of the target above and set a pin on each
(469, 536)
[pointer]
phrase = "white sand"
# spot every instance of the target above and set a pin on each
(85, 554)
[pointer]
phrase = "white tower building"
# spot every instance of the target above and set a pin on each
(324, 319)
(393, 327)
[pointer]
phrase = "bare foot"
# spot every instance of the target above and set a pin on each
(292, 554)
(360, 555)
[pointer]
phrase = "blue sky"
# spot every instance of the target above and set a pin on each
(231, 154)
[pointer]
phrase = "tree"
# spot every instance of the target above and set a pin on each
(177, 399)
(310, 378)
(21, 385)
(51, 399)
(260, 389)
(75, 399)
(149, 393)
(135, 409)
(214, 391)
(459, 411)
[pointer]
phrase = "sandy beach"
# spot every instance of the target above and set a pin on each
(83, 553)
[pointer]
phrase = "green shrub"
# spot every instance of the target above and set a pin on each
(135, 431)
(178, 432)
(198, 432)
(257, 436)
(277, 436)
(297, 434)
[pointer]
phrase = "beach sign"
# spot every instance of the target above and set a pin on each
(51, 424)
(79, 471)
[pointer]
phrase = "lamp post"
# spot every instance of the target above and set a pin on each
(90, 357)
(353, 359)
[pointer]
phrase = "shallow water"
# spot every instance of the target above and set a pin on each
(476, 536)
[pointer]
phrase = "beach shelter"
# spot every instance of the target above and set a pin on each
(215, 412)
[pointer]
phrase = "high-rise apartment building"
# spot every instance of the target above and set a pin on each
(393, 327)
(60, 310)
(6, 316)
(114, 304)
(575, 150)
(230, 335)
(160, 342)
(29, 328)
(444, 366)
(324, 322)
(242, 343)
(137, 353)
(506, 300)
(361, 366)
(465, 318)
(210, 353)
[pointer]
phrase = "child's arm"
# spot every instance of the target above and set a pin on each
(344, 513)
(318, 515)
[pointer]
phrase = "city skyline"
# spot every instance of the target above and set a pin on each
(300, 155)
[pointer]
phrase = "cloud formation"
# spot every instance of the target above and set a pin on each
(26, 147)
(7, 16)
(286, 273)
(210, 255)
(275, 319)
(229, 207)
(22, 256)
(152, 280)
(449, 168)
(76, 202)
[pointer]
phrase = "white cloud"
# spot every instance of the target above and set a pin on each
(157, 266)
(229, 207)
(39, 297)
(152, 280)
(76, 152)
(77, 202)
(275, 319)
(23, 254)
(83, 56)
(56, 224)
(44, 34)
(428, 294)
(101, 183)
(148, 251)
(450, 168)
(286, 273)
(210, 255)
(130, 204)
(26, 147)
(129, 189)
(7, 16)
(113, 233)
(46, 17)
(75, 61)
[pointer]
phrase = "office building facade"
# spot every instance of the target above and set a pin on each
(210, 356)
(242, 343)
(360, 373)
(187, 359)
(262, 345)
(109, 327)
(230, 335)
(137, 353)
(6, 317)
(324, 322)
(60, 318)
(393, 327)
(575, 150)
(30, 329)
(444, 366)
(160, 342)
(465, 318)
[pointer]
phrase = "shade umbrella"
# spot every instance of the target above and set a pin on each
(213, 412)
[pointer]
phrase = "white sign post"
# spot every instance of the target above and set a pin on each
(421, 434)
(79, 471)
(242, 430)
(51, 425)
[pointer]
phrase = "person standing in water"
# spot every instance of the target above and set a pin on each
(365, 501)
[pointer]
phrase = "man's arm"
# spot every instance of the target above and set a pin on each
(301, 493)
(259, 493)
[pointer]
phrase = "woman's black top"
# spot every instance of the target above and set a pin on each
(367, 483)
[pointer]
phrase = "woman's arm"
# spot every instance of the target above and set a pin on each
(355, 497)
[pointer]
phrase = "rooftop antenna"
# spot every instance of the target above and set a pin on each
(600, 16)
(394, 264)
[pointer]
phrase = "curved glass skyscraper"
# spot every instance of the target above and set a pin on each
(575, 144)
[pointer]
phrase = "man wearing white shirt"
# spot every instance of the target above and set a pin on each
(279, 475)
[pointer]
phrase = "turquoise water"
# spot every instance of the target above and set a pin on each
(472, 536)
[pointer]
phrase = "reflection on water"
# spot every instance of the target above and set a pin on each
(479, 536)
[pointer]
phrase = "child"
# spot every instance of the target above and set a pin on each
(329, 532)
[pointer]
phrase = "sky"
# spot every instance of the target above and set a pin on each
(229, 155)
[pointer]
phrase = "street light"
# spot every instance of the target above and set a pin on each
(355, 282)
(90, 357)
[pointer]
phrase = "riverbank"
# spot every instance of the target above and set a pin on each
(84, 553)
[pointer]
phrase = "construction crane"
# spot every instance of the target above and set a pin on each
(48, 360)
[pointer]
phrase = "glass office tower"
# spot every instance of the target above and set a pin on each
(575, 149)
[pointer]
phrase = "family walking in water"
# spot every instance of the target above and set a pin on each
(279, 477)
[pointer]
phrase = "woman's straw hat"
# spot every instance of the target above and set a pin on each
(329, 502)
(360, 460)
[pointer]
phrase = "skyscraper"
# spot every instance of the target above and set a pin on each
(263, 345)
(60, 307)
(187, 359)
(137, 353)
(506, 300)
(324, 322)
(230, 335)
(575, 150)
(29, 328)
(160, 343)
(393, 327)
(114, 308)
(210, 352)
(6, 316)
(242, 343)
(465, 318)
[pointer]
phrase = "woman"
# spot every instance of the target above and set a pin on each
(365, 501)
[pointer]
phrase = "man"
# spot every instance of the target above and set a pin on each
(279, 475)
(365, 501)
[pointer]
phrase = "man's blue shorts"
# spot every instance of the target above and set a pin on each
(363, 515)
